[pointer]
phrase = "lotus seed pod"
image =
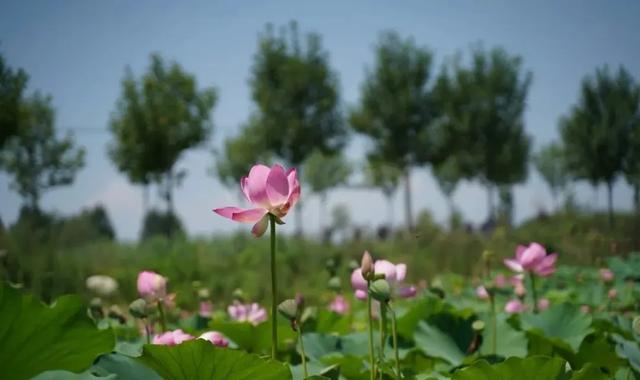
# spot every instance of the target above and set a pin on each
(289, 309)
(380, 290)
(335, 283)
(477, 326)
(138, 308)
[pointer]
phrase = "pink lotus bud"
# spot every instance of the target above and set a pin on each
(340, 305)
(612, 294)
(500, 281)
(216, 338)
(482, 293)
(606, 275)
(586, 309)
(543, 304)
(514, 306)
(206, 309)
(366, 264)
(171, 338)
(151, 286)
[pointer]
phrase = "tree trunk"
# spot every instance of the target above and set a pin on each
(321, 211)
(389, 197)
(636, 197)
(145, 198)
(490, 205)
(610, 202)
(407, 199)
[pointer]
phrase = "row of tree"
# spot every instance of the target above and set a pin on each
(465, 122)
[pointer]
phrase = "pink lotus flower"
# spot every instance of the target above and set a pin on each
(543, 304)
(606, 275)
(482, 293)
(394, 274)
(151, 286)
(215, 338)
(171, 338)
(533, 259)
(340, 305)
(270, 191)
(500, 281)
(518, 285)
(612, 294)
(206, 309)
(514, 306)
(251, 313)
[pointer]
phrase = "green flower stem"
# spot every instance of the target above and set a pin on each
(494, 323)
(371, 360)
(383, 332)
(304, 358)
(394, 334)
(534, 294)
(163, 321)
(274, 290)
(147, 330)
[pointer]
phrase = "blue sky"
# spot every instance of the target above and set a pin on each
(77, 51)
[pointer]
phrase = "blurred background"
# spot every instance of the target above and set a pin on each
(426, 132)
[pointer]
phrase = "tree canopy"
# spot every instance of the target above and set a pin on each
(12, 86)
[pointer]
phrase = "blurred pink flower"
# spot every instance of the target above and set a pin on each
(500, 281)
(151, 286)
(171, 338)
(216, 338)
(270, 191)
(251, 313)
(613, 293)
(518, 285)
(514, 306)
(533, 259)
(586, 309)
(543, 304)
(482, 293)
(606, 274)
(206, 309)
(340, 305)
(394, 274)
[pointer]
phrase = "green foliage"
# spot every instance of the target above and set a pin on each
(12, 86)
(157, 118)
(36, 338)
(163, 223)
(551, 164)
(35, 157)
(564, 324)
(531, 368)
(199, 359)
(324, 172)
(296, 95)
(89, 225)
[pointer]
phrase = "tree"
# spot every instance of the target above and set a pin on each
(396, 107)
(447, 176)
(596, 131)
(12, 86)
(323, 173)
(296, 96)
(385, 177)
(551, 164)
(157, 119)
(35, 157)
(482, 122)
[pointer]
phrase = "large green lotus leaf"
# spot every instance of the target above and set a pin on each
(66, 375)
(628, 350)
(564, 324)
(253, 338)
(531, 368)
(123, 367)
(420, 310)
(508, 341)
(318, 345)
(351, 367)
(590, 372)
(198, 359)
(595, 349)
(316, 370)
(331, 323)
(445, 336)
(36, 338)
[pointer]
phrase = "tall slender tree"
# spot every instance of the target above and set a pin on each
(482, 121)
(35, 157)
(385, 177)
(396, 107)
(551, 163)
(158, 117)
(296, 96)
(596, 131)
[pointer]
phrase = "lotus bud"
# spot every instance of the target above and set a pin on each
(366, 265)
(478, 326)
(335, 284)
(239, 294)
(138, 308)
(380, 290)
(289, 309)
